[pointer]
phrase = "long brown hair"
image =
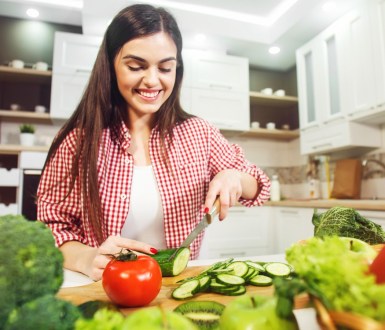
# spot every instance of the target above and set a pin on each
(102, 105)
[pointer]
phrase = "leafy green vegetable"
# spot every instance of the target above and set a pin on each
(344, 221)
(103, 319)
(338, 276)
(46, 312)
(31, 265)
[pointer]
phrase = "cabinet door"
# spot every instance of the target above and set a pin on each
(230, 111)
(66, 93)
(360, 60)
(378, 14)
(309, 84)
(245, 232)
(74, 53)
(218, 72)
(292, 225)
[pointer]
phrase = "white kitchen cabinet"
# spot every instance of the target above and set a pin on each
(245, 232)
(218, 85)
(375, 68)
(339, 136)
(74, 58)
(292, 224)
(335, 80)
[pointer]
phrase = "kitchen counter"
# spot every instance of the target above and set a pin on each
(306, 317)
(359, 204)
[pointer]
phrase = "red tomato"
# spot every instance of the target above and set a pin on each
(132, 283)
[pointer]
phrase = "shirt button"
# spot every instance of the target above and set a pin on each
(127, 161)
(123, 197)
(126, 135)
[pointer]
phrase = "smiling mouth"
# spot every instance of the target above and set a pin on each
(147, 94)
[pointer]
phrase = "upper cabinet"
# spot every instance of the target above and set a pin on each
(216, 87)
(337, 83)
(74, 57)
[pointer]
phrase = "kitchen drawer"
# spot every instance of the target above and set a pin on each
(8, 209)
(32, 160)
(9, 178)
(339, 136)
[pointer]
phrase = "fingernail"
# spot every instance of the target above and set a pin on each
(153, 250)
(206, 210)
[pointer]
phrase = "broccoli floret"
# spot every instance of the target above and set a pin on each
(43, 313)
(30, 263)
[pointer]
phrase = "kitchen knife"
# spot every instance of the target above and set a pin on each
(207, 218)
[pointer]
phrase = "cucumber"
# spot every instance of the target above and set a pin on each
(261, 280)
(186, 290)
(256, 266)
(174, 266)
(229, 279)
(239, 268)
(204, 283)
(277, 269)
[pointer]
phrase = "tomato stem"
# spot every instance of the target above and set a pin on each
(124, 255)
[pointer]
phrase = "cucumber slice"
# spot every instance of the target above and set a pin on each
(204, 283)
(229, 279)
(251, 273)
(277, 269)
(241, 290)
(225, 290)
(174, 266)
(261, 280)
(239, 268)
(256, 266)
(186, 290)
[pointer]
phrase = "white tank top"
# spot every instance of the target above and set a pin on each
(145, 216)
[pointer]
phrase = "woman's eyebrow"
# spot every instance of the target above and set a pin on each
(139, 59)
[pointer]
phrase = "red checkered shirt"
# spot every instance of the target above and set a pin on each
(197, 154)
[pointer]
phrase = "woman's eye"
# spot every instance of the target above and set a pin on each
(134, 68)
(164, 70)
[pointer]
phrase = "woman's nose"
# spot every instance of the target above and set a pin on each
(151, 77)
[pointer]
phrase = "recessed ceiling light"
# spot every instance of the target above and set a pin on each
(274, 50)
(329, 6)
(32, 12)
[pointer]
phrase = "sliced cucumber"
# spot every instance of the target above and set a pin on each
(239, 268)
(229, 279)
(277, 269)
(204, 283)
(172, 262)
(186, 290)
(255, 265)
(251, 273)
(261, 280)
(224, 289)
(241, 290)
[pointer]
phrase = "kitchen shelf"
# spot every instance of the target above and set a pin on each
(24, 75)
(14, 149)
(257, 98)
(31, 116)
(273, 134)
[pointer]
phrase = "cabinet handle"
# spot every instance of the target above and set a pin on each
(82, 71)
(220, 86)
(232, 210)
(236, 254)
(322, 146)
(289, 212)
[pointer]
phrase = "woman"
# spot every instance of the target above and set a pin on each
(131, 169)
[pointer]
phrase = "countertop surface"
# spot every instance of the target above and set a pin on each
(359, 204)
(306, 317)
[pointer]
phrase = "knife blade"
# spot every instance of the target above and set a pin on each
(206, 220)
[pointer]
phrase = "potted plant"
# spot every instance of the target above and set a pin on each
(27, 135)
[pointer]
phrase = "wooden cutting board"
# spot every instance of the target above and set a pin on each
(95, 291)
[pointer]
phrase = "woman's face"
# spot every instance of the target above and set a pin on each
(145, 71)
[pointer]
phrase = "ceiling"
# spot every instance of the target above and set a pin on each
(243, 28)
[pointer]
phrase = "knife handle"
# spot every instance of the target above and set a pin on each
(214, 210)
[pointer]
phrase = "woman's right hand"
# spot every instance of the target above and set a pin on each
(92, 261)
